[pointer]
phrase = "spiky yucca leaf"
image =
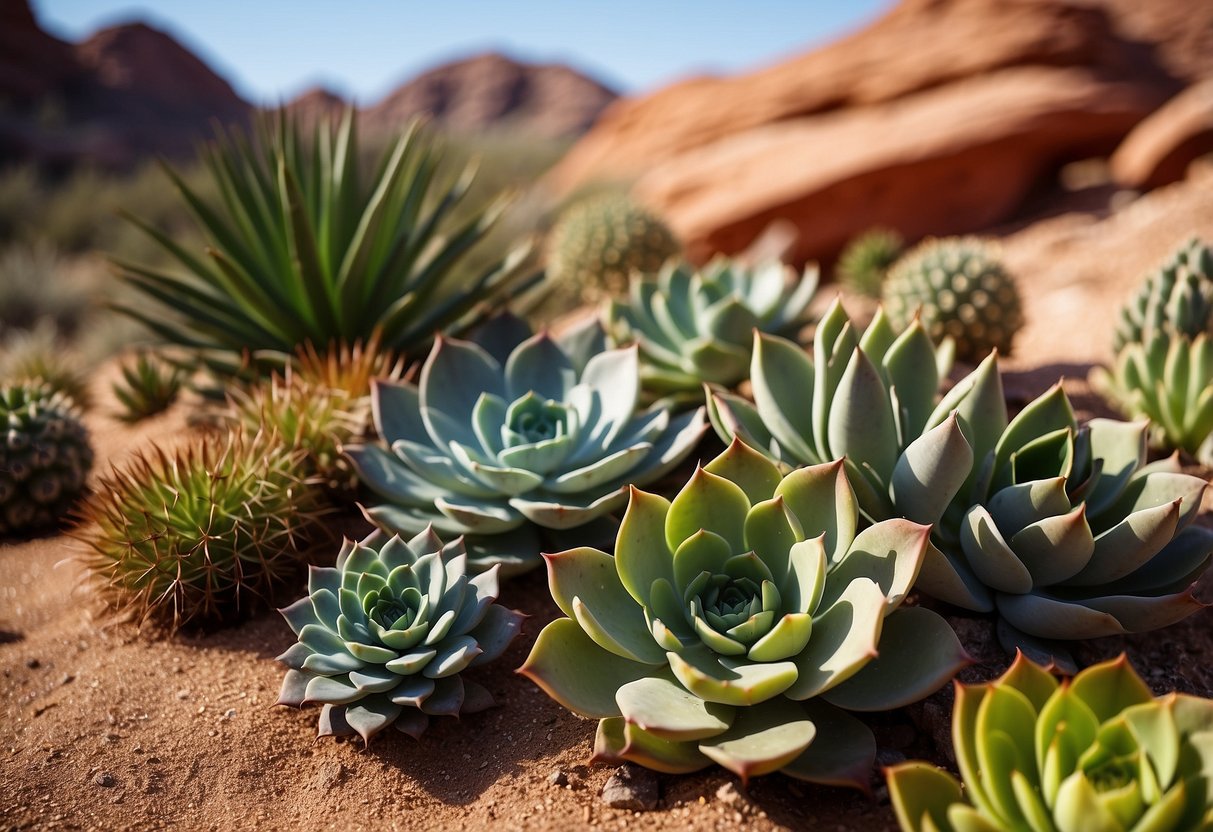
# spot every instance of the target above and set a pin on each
(306, 246)
(205, 534)
(148, 386)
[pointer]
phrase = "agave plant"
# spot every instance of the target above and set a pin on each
(1163, 369)
(516, 433)
(148, 386)
(864, 397)
(697, 326)
(304, 246)
(740, 622)
(385, 634)
(1097, 754)
(1064, 530)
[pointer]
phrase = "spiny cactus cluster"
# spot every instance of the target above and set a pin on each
(1177, 298)
(961, 290)
(205, 534)
(45, 457)
(599, 242)
(866, 260)
(148, 386)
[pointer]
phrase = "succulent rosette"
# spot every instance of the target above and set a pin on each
(740, 623)
(1099, 753)
(863, 396)
(515, 434)
(384, 635)
(696, 326)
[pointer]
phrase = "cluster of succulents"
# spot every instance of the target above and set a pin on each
(202, 535)
(961, 290)
(305, 247)
(739, 624)
(1163, 344)
(516, 434)
(39, 356)
(599, 242)
(149, 386)
(696, 326)
(45, 457)
(385, 633)
(866, 260)
(1098, 753)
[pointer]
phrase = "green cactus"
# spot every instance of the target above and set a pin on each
(45, 457)
(866, 260)
(598, 242)
(739, 624)
(961, 290)
(148, 386)
(1099, 753)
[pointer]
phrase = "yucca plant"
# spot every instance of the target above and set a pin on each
(305, 246)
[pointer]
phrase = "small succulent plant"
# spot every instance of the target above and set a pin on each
(740, 623)
(45, 457)
(1064, 530)
(598, 242)
(39, 356)
(866, 260)
(526, 432)
(961, 290)
(1099, 754)
(306, 246)
(204, 535)
(694, 326)
(863, 397)
(384, 635)
(1163, 368)
(148, 386)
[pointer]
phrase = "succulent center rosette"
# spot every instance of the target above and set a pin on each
(515, 434)
(384, 635)
(739, 623)
(1099, 753)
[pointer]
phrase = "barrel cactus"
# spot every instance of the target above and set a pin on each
(597, 243)
(202, 535)
(45, 457)
(694, 326)
(866, 260)
(1099, 753)
(384, 635)
(961, 290)
(148, 386)
(740, 623)
(516, 434)
(1163, 366)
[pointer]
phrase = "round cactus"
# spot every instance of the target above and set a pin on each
(598, 242)
(45, 457)
(866, 260)
(960, 289)
(203, 535)
(1176, 299)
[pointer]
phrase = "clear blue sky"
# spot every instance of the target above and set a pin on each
(269, 49)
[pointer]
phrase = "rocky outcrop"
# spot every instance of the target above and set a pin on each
(938, 118)
(495, 91)
(1159, 150)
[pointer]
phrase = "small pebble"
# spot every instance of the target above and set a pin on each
(104, 779)
(631, 787)
(33, 664)
(558, 778)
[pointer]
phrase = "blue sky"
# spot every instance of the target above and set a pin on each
(271, 49)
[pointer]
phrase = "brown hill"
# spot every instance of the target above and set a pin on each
(938, 118)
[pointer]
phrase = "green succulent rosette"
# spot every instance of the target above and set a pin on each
(385, 634)
(696, 326)
(740, 623)
(1163, 369)
(865, 397)
(1062, 529)
(1099, 753)
(515, 435)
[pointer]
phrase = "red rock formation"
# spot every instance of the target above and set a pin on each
(32, 63)
(1159, 150)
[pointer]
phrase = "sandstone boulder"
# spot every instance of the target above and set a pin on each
(1160, 148)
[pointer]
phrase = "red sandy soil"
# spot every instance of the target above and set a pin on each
(102, 727)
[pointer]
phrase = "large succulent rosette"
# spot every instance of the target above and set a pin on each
(1099, 753)
(385, 634)
(513, 435)
(740, 623)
